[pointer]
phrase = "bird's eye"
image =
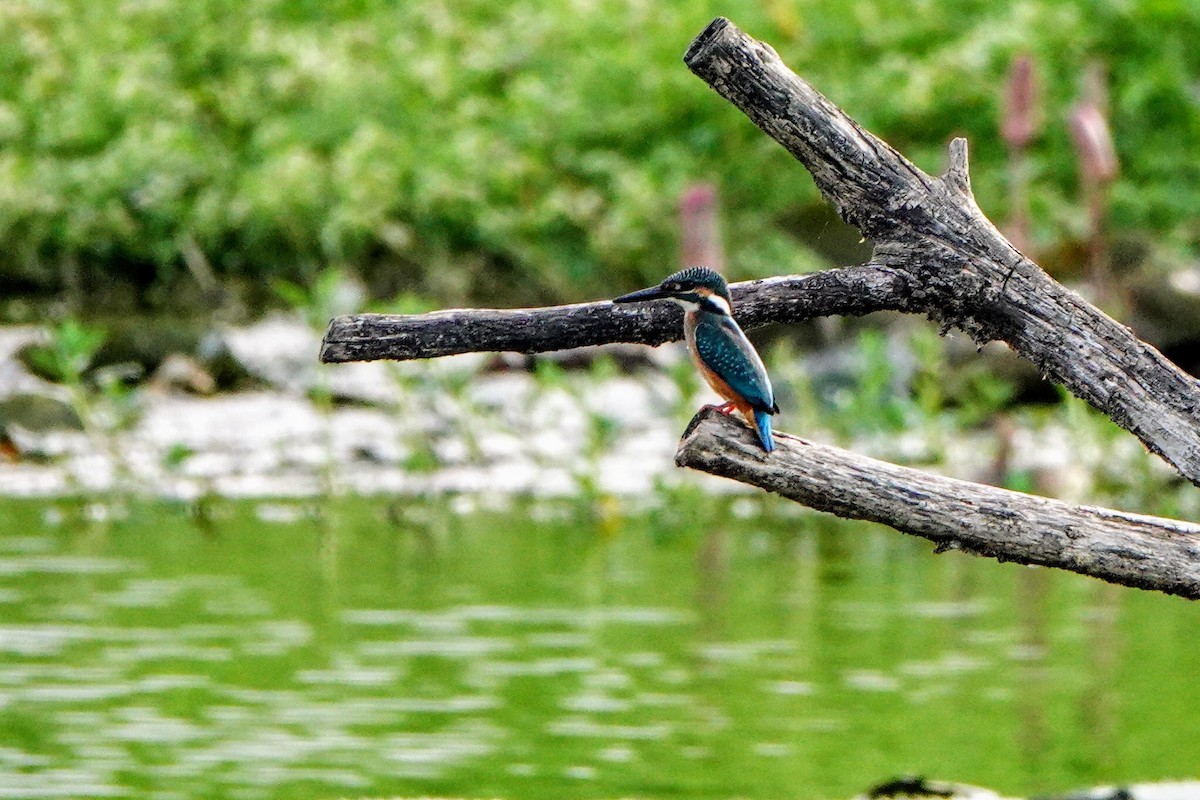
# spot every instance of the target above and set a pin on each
(672, 287)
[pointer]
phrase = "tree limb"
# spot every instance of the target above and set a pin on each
(1129, 549)
(367, 337)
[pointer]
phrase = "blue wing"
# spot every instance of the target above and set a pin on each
(725, 350)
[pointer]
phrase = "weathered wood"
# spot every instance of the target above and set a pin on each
(1128, 549)
(967, 275)
(366, 337)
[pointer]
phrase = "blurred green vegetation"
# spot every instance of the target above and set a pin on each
(527, 151)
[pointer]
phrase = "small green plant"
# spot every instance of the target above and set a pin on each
(601, 431)
(687, 383)
(105, 400)
(404, 303)
(333, 291)
(176, 456)
(929, 378)
(802, 410)
(69, 353)
(549, 375)
(875, 402)
(981, 396)
(116, 387)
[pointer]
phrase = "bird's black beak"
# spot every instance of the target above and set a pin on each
(653, 293)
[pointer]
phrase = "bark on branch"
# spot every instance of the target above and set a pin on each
(1129, 549)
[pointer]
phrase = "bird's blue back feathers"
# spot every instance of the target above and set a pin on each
(725, 350)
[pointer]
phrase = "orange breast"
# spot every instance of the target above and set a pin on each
(714, 380)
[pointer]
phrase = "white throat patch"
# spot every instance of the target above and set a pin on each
(721, 303)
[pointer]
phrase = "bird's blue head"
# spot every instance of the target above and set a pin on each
(694, 288)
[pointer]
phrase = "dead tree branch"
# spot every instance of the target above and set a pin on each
(367, 337)
(935, 254)
(1129, 549)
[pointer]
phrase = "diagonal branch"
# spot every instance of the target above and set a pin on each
(1129, 549)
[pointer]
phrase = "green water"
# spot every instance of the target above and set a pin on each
(409, 650)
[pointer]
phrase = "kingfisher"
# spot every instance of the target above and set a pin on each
(718, 346)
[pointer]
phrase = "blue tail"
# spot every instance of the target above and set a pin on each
(762, 421)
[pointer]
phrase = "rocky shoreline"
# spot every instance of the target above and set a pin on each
(303, 429)
(603, 422)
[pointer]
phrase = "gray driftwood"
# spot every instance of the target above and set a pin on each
(934, 254)
(1129, 549)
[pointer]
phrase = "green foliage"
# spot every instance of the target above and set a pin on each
(106, 400)
(522, 150)
(981, 394)
(687, 382)
(550, 375)
(891, 383)
(331, 292)
(69, 353)
(177, 455)
(877, 401)
(120, 399)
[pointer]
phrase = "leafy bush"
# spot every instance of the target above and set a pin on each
(523, 150)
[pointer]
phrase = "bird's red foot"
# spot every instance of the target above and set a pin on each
(724, 408)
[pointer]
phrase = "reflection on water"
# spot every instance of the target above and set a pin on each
(492, 655)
